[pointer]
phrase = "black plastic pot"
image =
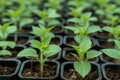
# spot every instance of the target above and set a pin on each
(67, 52)
(10, 63)
(25, 37)
(105, 44)
(27, 64)
(69, 65)
(70, 40)
(14, 52)
(110, 70)
(56, 40)
(109, 60)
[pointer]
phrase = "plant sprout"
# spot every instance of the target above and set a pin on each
(6, 30)
(82, 66)
(115, 52)
(48, 17)
(45, 48)
(82, 31)
(4, 45)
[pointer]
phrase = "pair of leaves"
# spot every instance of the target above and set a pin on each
(42, 31)
(5, 30)
(5, 44)
(50, 51)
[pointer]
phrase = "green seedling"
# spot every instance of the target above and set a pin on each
(114, 31)
(115, 52)
(84, 18)
(82, 66)
(54, 4)
(82, 31)
(4, 45)
(45, 48)
(48, 17)
(6, 30)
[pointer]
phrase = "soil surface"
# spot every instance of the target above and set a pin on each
(55, 41)
(71, 74)
(106, 58)
(104, 34)
(57, 29)
(106, 44)
(49, 71)
(21, 40)
(5, 70)
(113, 73)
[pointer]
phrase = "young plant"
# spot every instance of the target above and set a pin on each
(82, 66)
(4, 45)
(84, 18)
(113, 31)
(82, 31)
(45, 48)
(54, 4)
(6, 30)
(15, 18)
(115, 52)
(48, 17)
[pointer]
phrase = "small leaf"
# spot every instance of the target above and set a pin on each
(11, 29)
(10, 44)
(108, 29)
(53, 13)
(5, 52)
(112, 53)
(93, 54)
(93, 29)
(51, 50)
(74, 29)
(35, 44)
(85, 44)
(36, 31)
(117, 43)
(83, 68)
(28, 53)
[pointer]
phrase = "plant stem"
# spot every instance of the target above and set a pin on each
(16, 33)
(41, 64)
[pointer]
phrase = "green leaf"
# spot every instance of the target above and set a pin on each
(53, 14)
(36, 31)
(117, 43)
(10, 44)
(35, 44)
(74, 29)
(112, 53)
(51, 50)
(93, 29)
(85, 44)
(83, 68)
(108, 29)
(5, 52)
(93, 54)
(28, 53)
(11, 29)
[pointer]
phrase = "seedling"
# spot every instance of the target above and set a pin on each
(48, 17)
(6, 30)
(82, 31)
(114, 31)
(45, 48)
(115, 52)
(84, 18)
(82, 66)
(54, 4)
(4, 45)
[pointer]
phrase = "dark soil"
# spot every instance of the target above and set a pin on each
(104, 34)
(71, 41)
(69, 32)
(106, 44)
(21, 40)
(55, 41)
(71, 74)
(25, 31)
(106, 58)
(49, 71)
(113, 73)
(57, 30)
(5, 70)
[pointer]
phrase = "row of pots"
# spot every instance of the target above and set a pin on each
(65, 71)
